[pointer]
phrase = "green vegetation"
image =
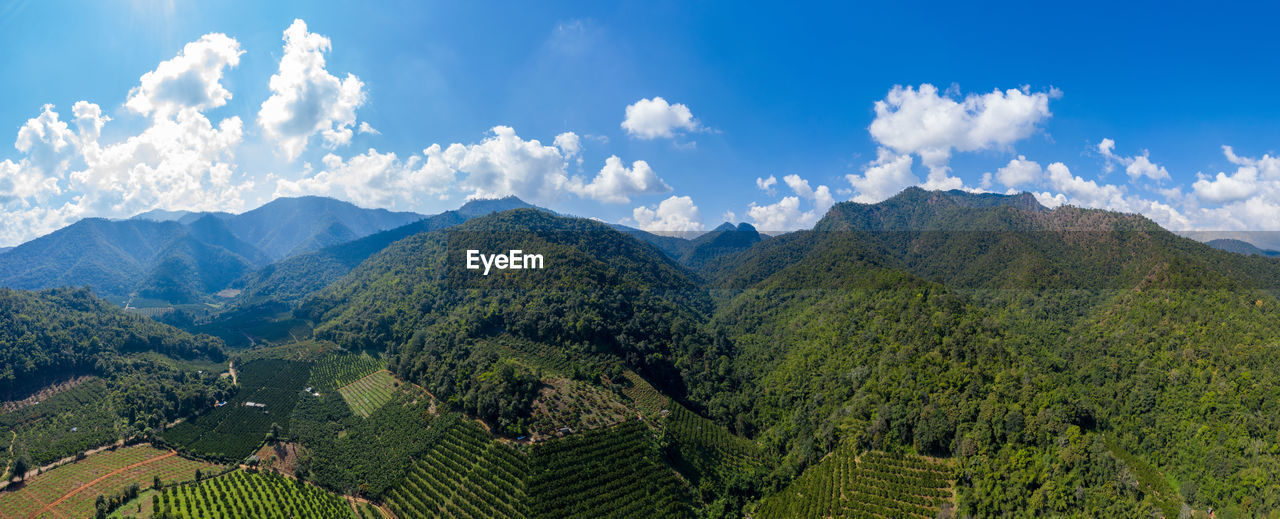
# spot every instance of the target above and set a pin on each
(335, 371)
(81, 373)
(608, 295)
(613, 472)
(250, 494)
(73, 490)
(268, 392)
(706, 449)
(62, 425)
(364, 456)
(463, 474)
(47, 335)
(369, 393)
(876, 485)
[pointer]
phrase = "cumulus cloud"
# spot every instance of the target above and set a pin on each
(617, 183)
(883, 177)
(570, 145)
(374, 179)
(766, 184)
(786, 214)
(367, 128)
(191, 80)
(1227, 188)
(675, 214)
(1251, 176)
(1019, 172)
(932, 125)
(653, 118)
(306, 99)
(1136, 167)
(501, 164)
(180, 160)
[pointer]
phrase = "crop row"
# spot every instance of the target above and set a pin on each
(707, 447)
(367, 394)
(249, 494)
(613, 472)
(464, 474)
(877, 485)
(269, 389)
(337, 370)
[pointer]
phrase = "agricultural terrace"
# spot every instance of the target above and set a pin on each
(367, 394)
(648, 400)
(464, 474)
(72, 489)
(250, 494)
(613, 472)
(339, 369)
(61, 425)
(707, 448)
(876, 485)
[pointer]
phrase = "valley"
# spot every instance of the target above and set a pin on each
(938, 354)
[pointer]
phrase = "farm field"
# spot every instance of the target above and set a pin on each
(250, 494)
(875, 484)
(706, 448)
(648, 400)
(464, 474)
(62, 425)
(269, 389)
(337, 370)
(71, 490)
(613, 472)
(577, 405)
(369, 393)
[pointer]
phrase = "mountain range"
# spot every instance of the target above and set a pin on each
(181, 257)
(1054, 361)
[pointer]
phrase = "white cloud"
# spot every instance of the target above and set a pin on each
(675, 214)
(1136, 167)
(654, 118)
(570, 145)
(47, 141)
(766, 184)
(786, 214)
(616, 183)
(367, 128)
(180, 160)
(1251, 177)
(306, 99)
(883, 178)
(505, 164)
(191, 80)
(925, 123)
(1019, 172)
(179, 163)
(374, 179)
(1228, 188)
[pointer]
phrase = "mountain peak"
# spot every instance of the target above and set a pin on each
(960, 198)
(483, 206)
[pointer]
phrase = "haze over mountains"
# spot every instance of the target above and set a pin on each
(182, 256)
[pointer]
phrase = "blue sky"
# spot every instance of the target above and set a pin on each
(1002, 97)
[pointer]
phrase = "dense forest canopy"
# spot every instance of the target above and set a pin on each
(1044, 362)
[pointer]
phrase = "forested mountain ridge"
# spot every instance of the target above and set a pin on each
(600, 293)
(48, 334)
(1000, 333)
(182, 257)
(288, 226)
(298, 276)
